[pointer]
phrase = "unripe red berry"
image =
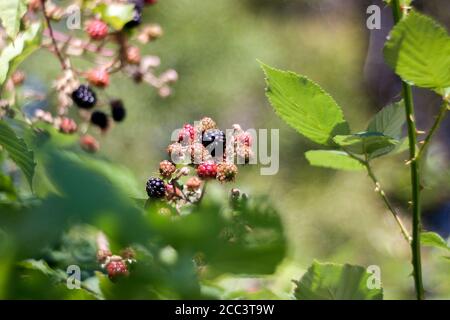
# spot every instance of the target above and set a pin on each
(187, 134)
(151, 2)
(244, 138)
(97, 29)
(133, 55)
(207, 170)
(116, 268)
(193, 183)
(98, 77)
(18, 77)
(89, 143)
(67, 125)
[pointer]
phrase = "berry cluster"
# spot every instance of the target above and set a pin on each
(202, 152)
(107, 48)
(116, 266)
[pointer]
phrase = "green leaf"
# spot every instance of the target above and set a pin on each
(333, 159)
(419, 51)
(11, 12)
(372, 144)
(18, 50)
(18, 151)
(328, 281)
(432, 239)
(389, 120)
(304, 105)
(115, 14)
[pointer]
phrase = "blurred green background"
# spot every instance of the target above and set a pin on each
(214, 46)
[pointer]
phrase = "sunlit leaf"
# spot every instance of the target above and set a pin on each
(432, 239)
(115, 14)
(304, 105)
(11, 12)
(329, 281)
(14, 53)
(333, 159)
(418, 50)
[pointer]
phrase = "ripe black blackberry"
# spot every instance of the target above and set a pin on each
(137, 14)
(155, 188)
(118, 111)
(214, 140)
(100, 119)
(84, 97)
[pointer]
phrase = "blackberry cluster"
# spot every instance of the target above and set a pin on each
(193, 162)
(155, 188)
(214, 140)
(84, 97)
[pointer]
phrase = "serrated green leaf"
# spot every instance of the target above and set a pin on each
(328, 281)
(389, 120)
(372, 144)
(304, 105)
(115, 14)
(18, 151)
(333, 159)
(11, 12)
(432, 239)
(418, 50)
(14, 53)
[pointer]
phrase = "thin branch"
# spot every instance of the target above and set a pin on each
(52, 36)
(381, 192)
(436, 124)
(383, 195)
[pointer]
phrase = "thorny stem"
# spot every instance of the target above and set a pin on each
(415, 174)
(436, 124)
(52, 36)
(383, 195)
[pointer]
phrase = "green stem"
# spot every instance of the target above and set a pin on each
(436, 124)
(415, 174)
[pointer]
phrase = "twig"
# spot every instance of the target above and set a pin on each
(52, 36)
(436, 124)
(383, 195)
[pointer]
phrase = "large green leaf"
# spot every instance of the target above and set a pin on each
(17, 150)
(18, 50)
(372, 144)
(389, 120)
(328, 281)
(11, 12)
(418, 50)
(304, 105)
(115, 14)
(432, 239)
(333, 159)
